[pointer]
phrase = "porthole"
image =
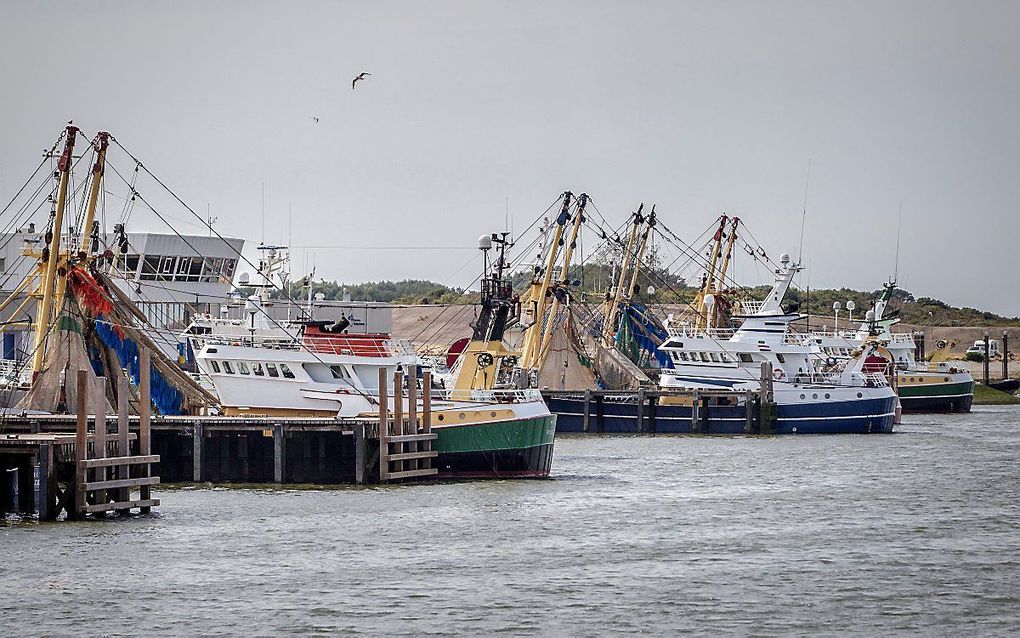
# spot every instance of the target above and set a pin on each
(462, 415)
(859, 395)
(828, 396)
(803, 396)
(440, 417)
(946, 378)
(814, 396)
(492, 414)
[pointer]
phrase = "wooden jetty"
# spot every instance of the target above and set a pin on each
(82, 465)
(655, 411)
(90, 471)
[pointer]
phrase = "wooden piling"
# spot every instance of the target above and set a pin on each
(585, 422)
(46, 495)
(398, 415)
(384, 428)
(641, 410)
(99, 446)
(278, 453)
(144, 423)
(412, 414)
(81, 444)
(123, 436)
(197, 436)
(748, 412)
(696, 412)
(359, 454)
(426, 409)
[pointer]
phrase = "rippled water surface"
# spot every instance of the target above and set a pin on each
(915, 532)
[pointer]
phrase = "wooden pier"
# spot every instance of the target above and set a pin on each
(85, 464)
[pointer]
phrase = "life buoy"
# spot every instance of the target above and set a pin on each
(778, 374)
(830, 361)
(485, 360)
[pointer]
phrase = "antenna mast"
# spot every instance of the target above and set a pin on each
(803, 217)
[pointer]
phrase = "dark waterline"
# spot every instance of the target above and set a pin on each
(913, 533)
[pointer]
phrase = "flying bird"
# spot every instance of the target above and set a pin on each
(316, 119)
(361, 76)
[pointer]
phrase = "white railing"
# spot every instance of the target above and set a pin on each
(750, 306)
(901, 337)
(687, 331)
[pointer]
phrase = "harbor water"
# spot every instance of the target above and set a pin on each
(910, 533)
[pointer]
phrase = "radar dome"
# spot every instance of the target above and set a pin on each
(484, 242)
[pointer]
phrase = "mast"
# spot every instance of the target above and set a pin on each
(708, 286)
(568, 253)
(609, 327)
(640, 253)
(532, 340)
(52, 257)
(729, 252)
(97, 181)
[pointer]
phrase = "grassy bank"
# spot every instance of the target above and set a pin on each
(983, 395)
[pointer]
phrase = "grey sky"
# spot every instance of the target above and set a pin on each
(699, 107)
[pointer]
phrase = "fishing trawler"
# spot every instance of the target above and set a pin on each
(488, 424)
(853, 396)
(935, 386)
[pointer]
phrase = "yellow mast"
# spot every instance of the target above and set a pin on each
(43, 313)
(640, 253)
(568, 253)
(706, 288)
(729, 252)
(608, 328)
(85, 230)
(529, 355)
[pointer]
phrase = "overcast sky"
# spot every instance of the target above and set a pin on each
(699, 107)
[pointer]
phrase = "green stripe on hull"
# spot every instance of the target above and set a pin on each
(514, 434)
(936, 390)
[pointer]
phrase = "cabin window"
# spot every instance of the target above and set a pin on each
(338, 372)
(781, 358)
(714, 357)
(745, 357)
(229, 369)
(287, 374)
(215, 367)
(682, 355)
(257, 369)
(271, 369)
(242, 367)
(704, 356)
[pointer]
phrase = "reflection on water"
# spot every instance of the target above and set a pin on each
(914, 532)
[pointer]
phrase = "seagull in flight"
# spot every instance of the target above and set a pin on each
(316, 119)
(361, 76)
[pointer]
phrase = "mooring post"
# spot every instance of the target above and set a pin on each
(586, 419)
(412, 412)
(748, 411)
(197, 434)
(278, 453)
(985, 362)
(144, 412)
(641, 410)
(81, 443)
(45, 498)
(384, 446)
(359, 453)
(398, 414)
(696, 412)
(765, 398)
(99, 446)
(653, 413)
(123, 437)
(426, 409)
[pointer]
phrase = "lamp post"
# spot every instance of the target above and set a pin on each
(835, 310)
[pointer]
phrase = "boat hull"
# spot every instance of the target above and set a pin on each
(946, 394)
(513, 448)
